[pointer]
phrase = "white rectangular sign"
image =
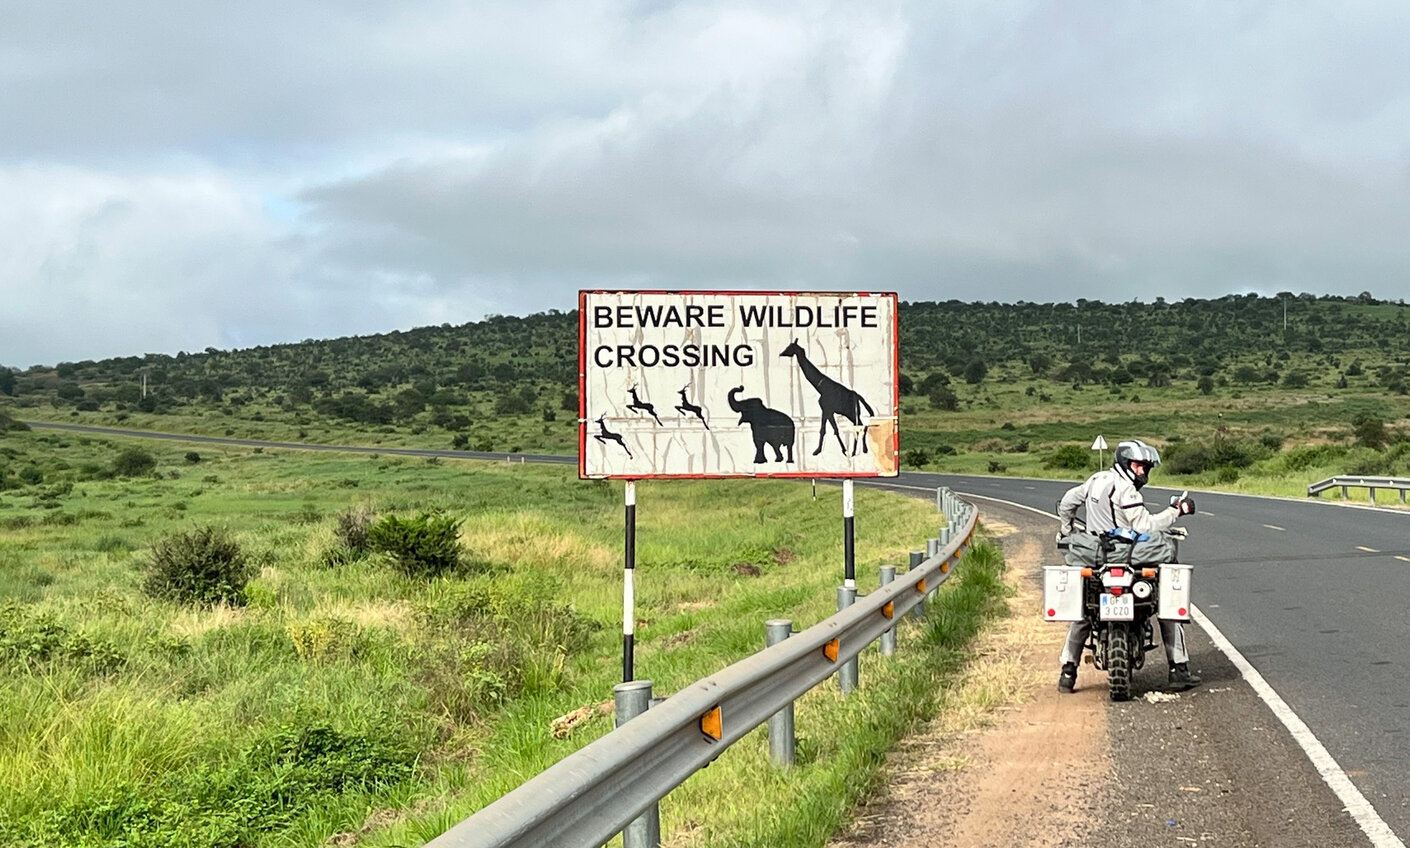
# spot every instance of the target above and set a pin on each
(737, 384)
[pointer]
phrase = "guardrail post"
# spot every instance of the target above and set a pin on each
(783, 744)
(847, 675)
(1344, 494)
(632, 699)
(888, 638)
(932, 547)
(1373, 493)
(917, 557)
(1402, 496)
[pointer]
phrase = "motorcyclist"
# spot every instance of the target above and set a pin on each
(1113, 501)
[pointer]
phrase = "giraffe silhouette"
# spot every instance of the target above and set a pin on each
(608, 436)
(833, 398)
(637, 405)
(685, 407)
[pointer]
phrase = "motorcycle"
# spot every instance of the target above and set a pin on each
(1123, 583)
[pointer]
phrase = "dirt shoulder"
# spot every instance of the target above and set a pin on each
(1010, 762)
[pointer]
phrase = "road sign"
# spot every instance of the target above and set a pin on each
(1099, 444)
(737, 384)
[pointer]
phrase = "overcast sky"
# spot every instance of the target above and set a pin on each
(178, 175)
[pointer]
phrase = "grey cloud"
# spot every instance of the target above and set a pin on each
(190, 175)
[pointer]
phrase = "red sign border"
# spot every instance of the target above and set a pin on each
(794, 475)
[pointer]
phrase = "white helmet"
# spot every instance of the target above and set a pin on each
(1136, 450)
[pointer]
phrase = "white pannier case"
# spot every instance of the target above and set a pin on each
(1175, 591)
(1062, 593)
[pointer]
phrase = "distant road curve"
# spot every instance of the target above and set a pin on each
(258, 443)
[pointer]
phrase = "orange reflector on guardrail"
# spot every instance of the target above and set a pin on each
(889, 610)
(830, 651)
(712, 724)
(944, 568)
(920, 587)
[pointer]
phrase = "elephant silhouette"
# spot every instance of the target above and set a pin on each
(770, 426)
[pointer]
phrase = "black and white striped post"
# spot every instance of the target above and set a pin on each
(849, 538)
(629, 587)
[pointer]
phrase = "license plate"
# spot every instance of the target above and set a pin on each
(1118, 607)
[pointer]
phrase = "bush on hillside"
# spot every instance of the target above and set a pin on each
(201, 566)
(134, 462)
(1370, 430)
(1196, 458)
(425, 546)
(1070, 457)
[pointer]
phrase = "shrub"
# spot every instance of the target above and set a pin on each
(996, 467)
(916, 457)
(1070, 457)
(1369, 429)
(354, 527)
(134, 462)
(37, 641)
(192, 457)
(943, 397)
(425, 546)
(325, 638)
(481, 645)
(201, 566)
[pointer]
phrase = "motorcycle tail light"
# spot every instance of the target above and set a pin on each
(1116, 572)
(1115, 590)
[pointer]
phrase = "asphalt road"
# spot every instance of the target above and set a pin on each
(1312, 593)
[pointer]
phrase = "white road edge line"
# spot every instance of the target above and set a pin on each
(1366, 549)
(1371, 823)
(1403, 559)
(1276, 527)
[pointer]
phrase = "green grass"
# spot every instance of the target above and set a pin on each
(351, 698)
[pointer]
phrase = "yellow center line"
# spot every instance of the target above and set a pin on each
(1274, 527)
(1366, 549)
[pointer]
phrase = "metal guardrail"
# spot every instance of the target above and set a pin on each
(591, 795)
(1372, 483)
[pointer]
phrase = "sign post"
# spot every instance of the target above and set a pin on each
(629, 587)
(736, 384)
(1099, 445)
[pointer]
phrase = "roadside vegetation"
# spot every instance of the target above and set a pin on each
(236, 647)
(1259, 394)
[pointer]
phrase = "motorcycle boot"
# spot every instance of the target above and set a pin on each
(1067, 680)
(1181, 679)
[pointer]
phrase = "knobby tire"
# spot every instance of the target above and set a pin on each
(1118, 661)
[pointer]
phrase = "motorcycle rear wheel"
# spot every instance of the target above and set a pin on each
(1118, 661)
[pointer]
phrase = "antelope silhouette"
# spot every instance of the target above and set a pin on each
(608, 436)
(637, 405)
(685, 407)
(834, 399)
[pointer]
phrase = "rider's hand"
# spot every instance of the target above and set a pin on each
(1064, 530)
(1183, 503)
